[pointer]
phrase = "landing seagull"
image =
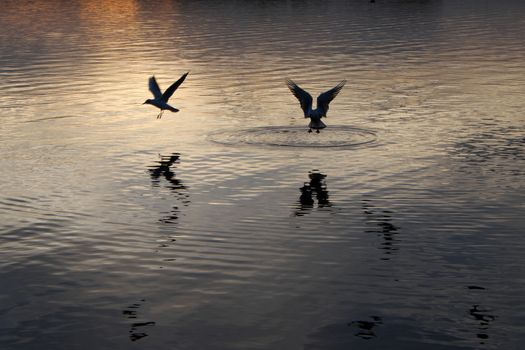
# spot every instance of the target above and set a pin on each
(161, 99)
(323, 101)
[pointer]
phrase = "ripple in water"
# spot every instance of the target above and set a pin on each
(296, 136)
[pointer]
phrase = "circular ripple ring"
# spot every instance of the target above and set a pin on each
(296, 136)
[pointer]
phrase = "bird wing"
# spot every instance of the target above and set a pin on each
(154, 87)
(169, 91)
(326, 97)
(304, 97)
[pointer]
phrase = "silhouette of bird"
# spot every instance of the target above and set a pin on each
(161, 99)
(323, 101)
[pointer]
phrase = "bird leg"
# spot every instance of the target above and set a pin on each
(309, 130)
(160, 114)
(317, 131)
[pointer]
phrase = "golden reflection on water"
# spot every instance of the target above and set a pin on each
(113, 18)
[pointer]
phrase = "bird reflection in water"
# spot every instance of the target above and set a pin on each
(316, 187)
(163, 169)
(482, 316)
(136, 331)
(175, 185)
(380, 222)
(365, 329)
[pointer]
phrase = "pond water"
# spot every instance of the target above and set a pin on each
(227, 225)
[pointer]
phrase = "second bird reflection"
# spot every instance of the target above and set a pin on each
(316, 187)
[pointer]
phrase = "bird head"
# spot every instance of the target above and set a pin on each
(148, 102)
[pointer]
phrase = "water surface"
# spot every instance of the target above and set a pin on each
(121, 231)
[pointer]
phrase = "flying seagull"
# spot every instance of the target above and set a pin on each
(161, 99)
(323, 101)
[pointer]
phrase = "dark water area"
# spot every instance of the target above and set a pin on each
(227, 225)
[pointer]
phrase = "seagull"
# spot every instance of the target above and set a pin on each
(323, 101)
(161, 99)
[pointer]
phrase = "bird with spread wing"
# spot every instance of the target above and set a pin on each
(323, 100)
(161, 99)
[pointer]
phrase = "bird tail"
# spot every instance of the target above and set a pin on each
(173, 109)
